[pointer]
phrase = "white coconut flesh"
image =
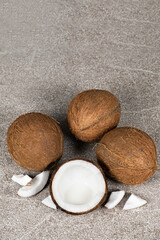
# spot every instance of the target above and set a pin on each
(35, 186)
(78, 186)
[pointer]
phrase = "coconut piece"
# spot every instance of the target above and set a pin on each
(78, 186)
(49, 202)
(114, 199)
(134, 202)
(127, 155)
(35, 186)
(21, 179)
(92, 113)
(35, 141)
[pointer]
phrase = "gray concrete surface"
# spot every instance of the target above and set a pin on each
(49, 52)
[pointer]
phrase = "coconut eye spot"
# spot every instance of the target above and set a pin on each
(78, 186)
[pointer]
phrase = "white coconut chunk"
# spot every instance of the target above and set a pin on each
(134, 202)
(35, 186)
(114, 199)
(78, 186)
(21, 179)
(49, 202)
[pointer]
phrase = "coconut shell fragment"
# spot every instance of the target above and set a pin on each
(92, 113)
(35, 141)
(127, 155)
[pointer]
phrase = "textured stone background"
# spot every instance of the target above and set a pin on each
(50, 50)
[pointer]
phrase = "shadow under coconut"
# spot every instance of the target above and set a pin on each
(124, 200)
(73, 148)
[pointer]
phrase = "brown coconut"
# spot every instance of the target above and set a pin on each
(127, 155)
(92, 113)
(35, 141)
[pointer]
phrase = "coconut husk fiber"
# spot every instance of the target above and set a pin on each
(35, 141)
(127, 155)
(92, 113)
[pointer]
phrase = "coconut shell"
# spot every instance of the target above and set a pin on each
(79, 213)
(35, 141)
(127, 155)
(92, 113)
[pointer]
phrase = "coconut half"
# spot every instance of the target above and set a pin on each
(78, 186)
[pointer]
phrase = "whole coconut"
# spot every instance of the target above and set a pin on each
(35, 141)
(127, 155)
(92, 113)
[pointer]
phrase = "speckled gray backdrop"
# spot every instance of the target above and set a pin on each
(50, 50)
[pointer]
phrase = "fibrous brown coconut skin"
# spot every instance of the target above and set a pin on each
(85, 212)
(127, 155)
(92, 113)
(35, 141)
